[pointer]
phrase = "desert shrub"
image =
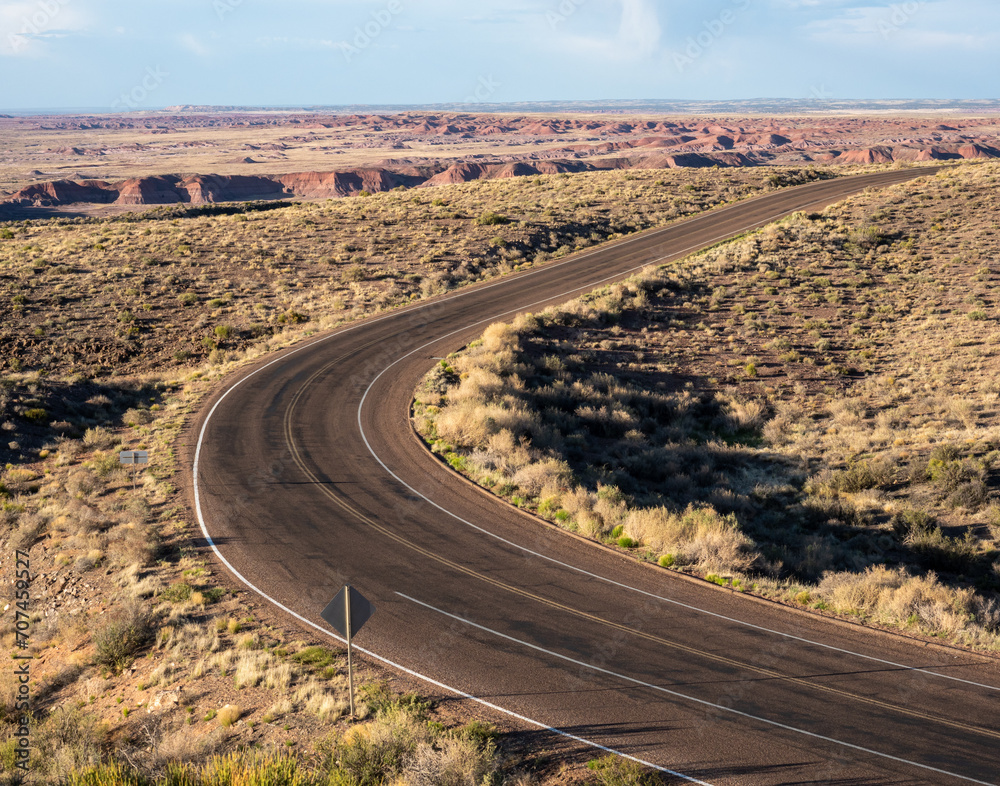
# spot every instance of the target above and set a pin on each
(380, 699)
(908, 522)
(36, 414)
(863, 475)
(229, 714)
(867, 237)
(129, 545)
(98, 437)
(698, 535)
(124, 632)
(105, 465)
(247, 768)
(616, 771)
(971, 495)
(947, 474)
(69, 740)
(938, 551)
(27, 532)
(453, 761)
(112, 773)
(177, 592)
(746, 415)
(377, 751)
(136, 417)
(317, 657)
(894, 596)
(292, 318)
(81, 484)
(943, 453)
(353, 273)
(538, 476)
(489, 218)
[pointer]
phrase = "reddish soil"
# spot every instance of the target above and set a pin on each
(517, 145)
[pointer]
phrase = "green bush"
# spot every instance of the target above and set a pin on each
(177, 592)
(948, 475)
(489, 218)
(246, 768)
(379, 757)
(318, 657)
(615, 771)
(380, 700)
(105, 465)
(36, 415)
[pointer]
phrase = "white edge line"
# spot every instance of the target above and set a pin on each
(460, 693)
(685, 697)
(363, 323)
(612, 582)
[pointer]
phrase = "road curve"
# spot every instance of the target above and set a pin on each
(306, 476)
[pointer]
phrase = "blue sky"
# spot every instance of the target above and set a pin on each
(152, 53)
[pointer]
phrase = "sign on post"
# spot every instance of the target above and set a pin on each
(347, 613)
(133, 457)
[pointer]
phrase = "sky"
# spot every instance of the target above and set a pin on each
(148, 54)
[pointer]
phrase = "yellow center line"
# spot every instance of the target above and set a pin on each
(770, 673)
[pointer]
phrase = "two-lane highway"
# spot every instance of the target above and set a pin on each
(307, 476)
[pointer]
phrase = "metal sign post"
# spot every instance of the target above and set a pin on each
(350, 663)
(134, 457)
(347, 613)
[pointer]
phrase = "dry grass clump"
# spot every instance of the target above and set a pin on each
(816, 398)
(893, 596)
(228, 715)
(696, 536)
(399, 743)
(321, 698)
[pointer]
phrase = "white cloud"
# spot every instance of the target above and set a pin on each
(917, 26)
(298, 44)
(192, 43)
(638, 34)
(25, 27)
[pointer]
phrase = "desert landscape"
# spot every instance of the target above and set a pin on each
(96, 164)
(804, 413)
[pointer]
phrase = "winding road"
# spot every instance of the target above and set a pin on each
(306, 476)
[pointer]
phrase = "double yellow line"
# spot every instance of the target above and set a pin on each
(344, 505)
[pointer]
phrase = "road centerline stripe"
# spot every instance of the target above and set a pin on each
(627, 242)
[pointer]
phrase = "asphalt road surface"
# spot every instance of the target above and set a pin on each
(307, 476)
